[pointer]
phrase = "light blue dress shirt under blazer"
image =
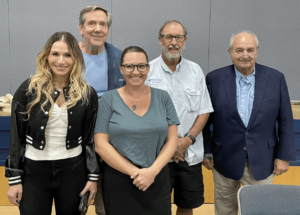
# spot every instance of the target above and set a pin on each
(245, 87)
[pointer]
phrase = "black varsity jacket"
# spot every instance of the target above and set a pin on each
(81, 122)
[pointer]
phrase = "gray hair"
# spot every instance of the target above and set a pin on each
(171, 21)
(245, 31)
(92, 8)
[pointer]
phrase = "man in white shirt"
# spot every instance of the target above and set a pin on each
(185, 82)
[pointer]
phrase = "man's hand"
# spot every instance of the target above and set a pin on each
(208, 163)
(280, 166)
(182, 145)
(14, 194)
(143, 178)
(178, 156)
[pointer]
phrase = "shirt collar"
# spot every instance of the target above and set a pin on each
(166, 68)
(249, 78)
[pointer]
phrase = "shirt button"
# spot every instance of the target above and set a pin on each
(69, 127)
(245, 148)
(42, 142)
(241, 114)
(246, 132)
(242, 100)
(68, 141)
(41, 147)
(46, 112)
(42, 127)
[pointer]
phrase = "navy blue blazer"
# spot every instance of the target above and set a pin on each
(231, 140)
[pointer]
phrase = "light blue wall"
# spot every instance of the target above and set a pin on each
(26, 25)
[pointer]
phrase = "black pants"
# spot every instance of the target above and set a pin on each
(61, 180)
(121, 197)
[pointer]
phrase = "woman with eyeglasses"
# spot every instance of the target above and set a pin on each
(52, 154)
(136, 135)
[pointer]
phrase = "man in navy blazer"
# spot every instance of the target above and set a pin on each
(244, 147)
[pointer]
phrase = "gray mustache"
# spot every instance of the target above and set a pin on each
(173, 47)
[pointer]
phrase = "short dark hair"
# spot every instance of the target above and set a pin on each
(133, 49)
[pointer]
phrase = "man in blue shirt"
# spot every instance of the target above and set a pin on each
(101, 59)
(244, 148)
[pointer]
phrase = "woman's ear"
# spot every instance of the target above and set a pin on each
(120, 67)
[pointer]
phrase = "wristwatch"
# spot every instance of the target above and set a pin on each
(191, 137)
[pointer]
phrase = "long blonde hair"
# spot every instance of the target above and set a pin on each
(41, 84)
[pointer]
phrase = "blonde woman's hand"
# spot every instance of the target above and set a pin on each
(14, 194)
(92, 187)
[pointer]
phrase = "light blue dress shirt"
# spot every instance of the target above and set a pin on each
(245, 87)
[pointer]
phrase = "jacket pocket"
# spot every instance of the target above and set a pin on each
(270, 101)
(74, 142)
(193, 97)
(272, 142)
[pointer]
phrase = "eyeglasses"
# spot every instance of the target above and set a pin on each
(142, 67)
(240, 53)
(169, 38)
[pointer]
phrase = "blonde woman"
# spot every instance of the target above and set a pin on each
(52, 152)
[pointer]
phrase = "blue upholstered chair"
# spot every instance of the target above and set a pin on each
(269, 199)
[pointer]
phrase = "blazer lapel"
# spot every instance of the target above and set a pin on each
(230, 88)
(259, 93)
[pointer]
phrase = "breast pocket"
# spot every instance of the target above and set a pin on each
(193, 98)
(156, 83)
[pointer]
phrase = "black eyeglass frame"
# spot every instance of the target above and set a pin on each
(137, 66)
(163, 36)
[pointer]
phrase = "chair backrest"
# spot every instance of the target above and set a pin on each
(269, 199)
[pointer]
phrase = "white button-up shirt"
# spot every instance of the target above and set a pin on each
(188, 91)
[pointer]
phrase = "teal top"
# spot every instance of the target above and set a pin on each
(138, 138)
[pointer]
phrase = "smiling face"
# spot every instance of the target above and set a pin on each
(94, 30)
(243, 42)
(60, 60)
(173, 49)
(134, 78)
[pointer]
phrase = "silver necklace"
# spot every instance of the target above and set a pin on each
(134, 105)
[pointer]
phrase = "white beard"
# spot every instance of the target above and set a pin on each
(171, 56)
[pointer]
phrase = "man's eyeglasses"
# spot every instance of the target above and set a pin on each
(169, 38)
(142, 67)
(240, 53)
